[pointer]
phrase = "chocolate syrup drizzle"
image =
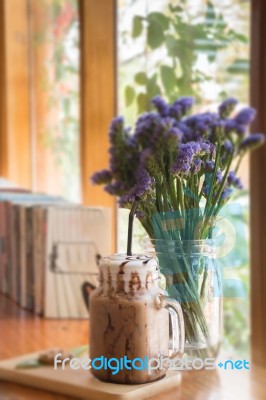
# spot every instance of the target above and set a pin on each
(130, 258)
(134, 280)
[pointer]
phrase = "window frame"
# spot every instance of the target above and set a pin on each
(15, 139)
(257, 185)
(98, 98)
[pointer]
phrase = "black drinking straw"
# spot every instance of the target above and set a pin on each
(130, 225)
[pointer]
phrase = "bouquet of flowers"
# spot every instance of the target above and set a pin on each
(175, 162)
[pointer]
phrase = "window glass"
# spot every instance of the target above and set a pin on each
(54, 62)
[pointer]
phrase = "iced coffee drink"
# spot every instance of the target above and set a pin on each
(129, 321)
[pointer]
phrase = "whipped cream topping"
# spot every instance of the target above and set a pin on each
(136, 261)
(129, 272)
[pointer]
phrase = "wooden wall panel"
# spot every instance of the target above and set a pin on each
(15, 143)
(98, 94)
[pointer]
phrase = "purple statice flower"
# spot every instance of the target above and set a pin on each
(218, 126)
(146, 155)
(212, 150)
(227, 150)
(155, 132)
(219, 176)
(161, 106)
(191, 121)
(217, 131)
(115, 188)
(202, 124)
(145, 127)
(131, 141)
(116, 129)
(124, 201)
(187, 132)
(146, 122)
(148, 161)
(227, 107)
(195, 120)
(182, 165)
(122, 156)
(225, 194)
(234, 181)
(121, 144)
(185, 103)
(241, 130)
(231, 125)
(142, 186)
(130, 152)
(175, 111)
(172, 137)
(113, 160)
(228, 146)
(186, 154)
(156, 141)
(101, 177)
(143, 182)
(181, 107)
(245, 116)
(202, 128)
(207, 148)
(206, 188)
(140, 214)
(209, 166)
(206, 118)
(196, 165)
(251, 142)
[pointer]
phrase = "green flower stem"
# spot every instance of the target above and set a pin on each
(159, 203)
(180, 192)
(147, 226)
(216, 166)
(195, 321)
(222, 186)
(193, 306)
(194, 316)
(177, 194)
(165, 197)
(238, 163)
(212, 213)
(173, 195)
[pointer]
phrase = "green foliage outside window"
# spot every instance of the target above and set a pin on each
(182, 38)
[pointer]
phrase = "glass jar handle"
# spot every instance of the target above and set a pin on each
(177, 321)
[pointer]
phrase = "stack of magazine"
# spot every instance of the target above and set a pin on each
(49, 251)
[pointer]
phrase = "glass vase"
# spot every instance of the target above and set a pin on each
(191, 275)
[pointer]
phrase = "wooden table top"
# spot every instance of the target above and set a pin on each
(21, 332)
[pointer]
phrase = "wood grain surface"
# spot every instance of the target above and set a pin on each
(21, 333)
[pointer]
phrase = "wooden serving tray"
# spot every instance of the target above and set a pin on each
(81, 384)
